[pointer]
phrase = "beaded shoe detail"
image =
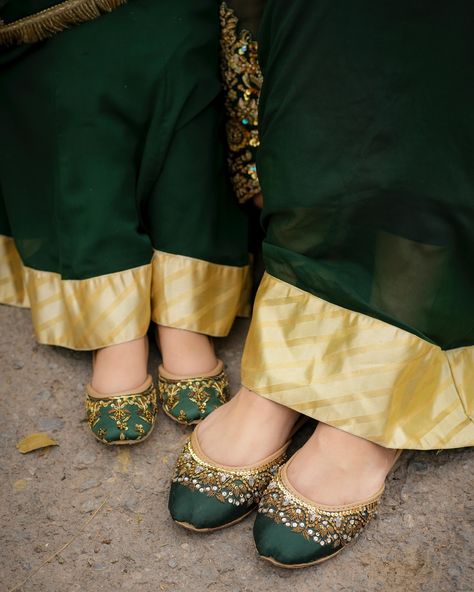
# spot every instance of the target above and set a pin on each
(291, 531)
(189, 400)
(206, 496)
(124, 418)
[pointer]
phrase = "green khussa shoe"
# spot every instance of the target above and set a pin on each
(292, 531)
(206, 496)
(122, 418)
(189, 400)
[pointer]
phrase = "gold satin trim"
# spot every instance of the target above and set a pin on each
(57, 18)
(196, 295)
(12, 285)
(358, 373)
(88, 314)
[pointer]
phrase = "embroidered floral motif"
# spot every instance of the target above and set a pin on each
(191, 399)
(334, 528)
(242, 79)
(110, 418)
(237, 487)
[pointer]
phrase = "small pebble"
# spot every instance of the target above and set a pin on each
(88, 506)
(84, 458)
(17, 364)
(172, 563)
(50, 424)
(43, 395)
(99, 566)
(408, 521)
(419, 466)
(89, 484)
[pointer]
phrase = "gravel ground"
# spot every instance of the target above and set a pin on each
(422, 540)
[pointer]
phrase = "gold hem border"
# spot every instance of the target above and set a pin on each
(357, 373)
(196, 295)
(172, 290)
(53, 20)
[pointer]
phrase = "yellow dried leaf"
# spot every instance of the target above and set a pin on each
(34, 442)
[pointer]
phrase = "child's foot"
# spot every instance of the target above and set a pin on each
(121, 399)
(185, 353)
(192, 381)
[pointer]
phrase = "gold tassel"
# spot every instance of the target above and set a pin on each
(44, 24)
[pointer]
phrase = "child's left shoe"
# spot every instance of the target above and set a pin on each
(122, 418)
(188, 400)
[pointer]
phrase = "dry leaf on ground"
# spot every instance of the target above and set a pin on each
(34, 442)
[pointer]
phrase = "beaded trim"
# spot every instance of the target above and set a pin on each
(242, 80)
(334, 528)
(120, 410)
(233, 486)
(199, 391)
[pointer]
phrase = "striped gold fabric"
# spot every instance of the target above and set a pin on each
(88, 314)
(12, 287)
(357, 373)
(197, 295)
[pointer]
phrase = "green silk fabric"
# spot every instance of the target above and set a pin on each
(367, 158)
(200, 510)
(112, 142)
(284, 545)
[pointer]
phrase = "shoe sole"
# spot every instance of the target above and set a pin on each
(125, 442)
(300, 565)
(192, 528)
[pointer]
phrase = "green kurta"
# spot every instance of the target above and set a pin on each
(112, 176)
(366, 317)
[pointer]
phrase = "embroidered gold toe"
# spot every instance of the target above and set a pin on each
(127, 417)
(189, 400)
(325, 525)
(238, 486)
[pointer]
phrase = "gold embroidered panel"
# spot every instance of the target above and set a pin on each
(358, 373)
(242, 80)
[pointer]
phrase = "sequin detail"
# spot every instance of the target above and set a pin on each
(242, 79)
(328, 528)
(236, 487)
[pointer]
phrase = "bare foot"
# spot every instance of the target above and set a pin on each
(121, 367)
(245, 430)
(185, 353)
(337, 468)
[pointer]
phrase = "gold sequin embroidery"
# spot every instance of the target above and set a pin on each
(237, 487)
(333, 528)
(242, 80)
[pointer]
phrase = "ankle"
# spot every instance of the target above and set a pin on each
(281, 418)
(121, 367)
(185, 353)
